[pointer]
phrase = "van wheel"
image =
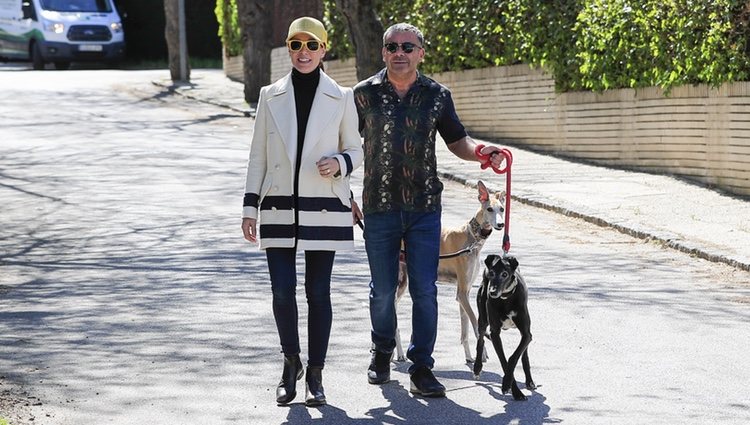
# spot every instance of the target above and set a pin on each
(37, 61)
(62, 66)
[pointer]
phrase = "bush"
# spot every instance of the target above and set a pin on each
(462, 34)
(584, 44)
(229, 26)
(661, 43)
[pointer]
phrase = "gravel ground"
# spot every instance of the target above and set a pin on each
(15, 404)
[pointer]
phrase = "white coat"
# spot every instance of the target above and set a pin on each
(325, 218)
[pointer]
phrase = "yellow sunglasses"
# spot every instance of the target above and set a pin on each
(296, 45)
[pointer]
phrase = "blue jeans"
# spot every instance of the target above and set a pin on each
(318, 266)
(421, 235)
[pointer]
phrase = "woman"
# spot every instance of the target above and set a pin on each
(305, 145)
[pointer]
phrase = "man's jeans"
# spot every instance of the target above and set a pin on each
(421, 235)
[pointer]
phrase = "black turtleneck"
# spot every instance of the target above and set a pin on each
(304, 94)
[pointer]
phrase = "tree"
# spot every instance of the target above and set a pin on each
(366, 34)
(256, 18)
(172, 35)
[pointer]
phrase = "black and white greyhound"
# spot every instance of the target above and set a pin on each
(502, 304)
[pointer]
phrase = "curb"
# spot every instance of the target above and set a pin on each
(177, 89)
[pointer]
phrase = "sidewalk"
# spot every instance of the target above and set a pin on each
(683, 216)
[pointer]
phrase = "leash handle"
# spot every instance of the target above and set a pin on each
(486, 161)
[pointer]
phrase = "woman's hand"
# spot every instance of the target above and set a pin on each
(328, 167)
(248, 229)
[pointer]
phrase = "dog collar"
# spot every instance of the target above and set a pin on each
(508, 292)
(477, 231)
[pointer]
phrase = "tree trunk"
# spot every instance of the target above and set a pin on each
(366, 34)
(256, 17)
(172, 35)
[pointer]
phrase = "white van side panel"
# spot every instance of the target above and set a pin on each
(70, 34)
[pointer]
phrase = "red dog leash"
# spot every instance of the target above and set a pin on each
(486, 163)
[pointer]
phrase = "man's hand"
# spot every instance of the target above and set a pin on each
(356, 212)
(496, 159)
(489, 156)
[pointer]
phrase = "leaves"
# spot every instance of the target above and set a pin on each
(661, 43)
(229, 26)
(584, 44)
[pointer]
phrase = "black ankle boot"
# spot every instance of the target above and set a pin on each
(287, 389)
(314, 395)
(379, 371)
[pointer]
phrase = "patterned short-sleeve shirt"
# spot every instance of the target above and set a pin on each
(399, 142)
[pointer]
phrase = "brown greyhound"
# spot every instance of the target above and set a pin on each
(462, 269)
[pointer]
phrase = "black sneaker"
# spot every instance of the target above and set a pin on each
(379, 371)
(423, 382)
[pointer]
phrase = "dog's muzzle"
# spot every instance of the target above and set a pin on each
(503, 290)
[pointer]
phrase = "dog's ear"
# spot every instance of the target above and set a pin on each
(513, 263)
(491, 260)
(484, 194)
(500, 196)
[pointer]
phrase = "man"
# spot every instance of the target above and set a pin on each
(400, 110)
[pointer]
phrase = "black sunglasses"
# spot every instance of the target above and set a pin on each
(296, 45)
(406, 47)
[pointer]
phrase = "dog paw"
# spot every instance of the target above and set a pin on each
(506, 386)
(530, 385)
(476, 376)
(519, 396)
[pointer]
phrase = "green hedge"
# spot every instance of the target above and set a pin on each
(229, 26)
(584, 44)
(661, 43)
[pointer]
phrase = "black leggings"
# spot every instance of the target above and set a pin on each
(318, 266)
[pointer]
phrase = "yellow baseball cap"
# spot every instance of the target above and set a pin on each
(310, 26)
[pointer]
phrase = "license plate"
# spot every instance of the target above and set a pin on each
(90, 48)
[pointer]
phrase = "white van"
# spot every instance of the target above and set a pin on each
(61, 32)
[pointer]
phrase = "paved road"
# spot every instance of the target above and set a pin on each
(128, 296)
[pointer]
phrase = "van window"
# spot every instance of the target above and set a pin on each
(77, 5)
